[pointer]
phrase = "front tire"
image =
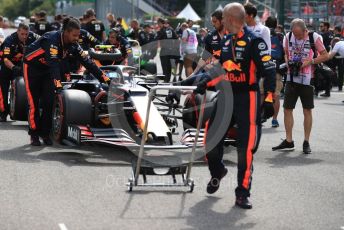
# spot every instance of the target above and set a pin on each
(70, 107)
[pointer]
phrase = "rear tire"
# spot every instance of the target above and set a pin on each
(70, 107)
(192, 107)
(18, 100)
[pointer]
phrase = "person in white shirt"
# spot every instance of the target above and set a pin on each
(338, 48)
(188, 48)
(258, 29)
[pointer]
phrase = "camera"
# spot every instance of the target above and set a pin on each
(295, 66)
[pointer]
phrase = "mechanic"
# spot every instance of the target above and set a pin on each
(72, 64)
(56, 25)
(41, 25)
(122, 44)
(94, 26)
(212, 41)
(277, 54)
(134, 30)
(146, 40)
(242, 54)
(42, 66)
(11, 62)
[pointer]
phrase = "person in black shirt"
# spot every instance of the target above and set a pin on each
(11, 62)
(41, 25)
(169, 47)
(56, 25)
(111, 19)
(146, 40)
(326, 34)
(94, 26)
(120, 27)
(135, 30)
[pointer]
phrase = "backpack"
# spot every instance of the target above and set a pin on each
(276, 46)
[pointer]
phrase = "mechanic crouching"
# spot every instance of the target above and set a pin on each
(42, 69)
(11, 63)
(242, 55)
(123, 45)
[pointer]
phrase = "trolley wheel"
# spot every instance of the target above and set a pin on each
(192, 185)
(130, 185)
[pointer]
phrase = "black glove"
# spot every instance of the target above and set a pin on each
(201, 87)
(173, 97)
(268, 107)
(17, 71)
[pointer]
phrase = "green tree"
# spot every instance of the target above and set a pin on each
(15, 8)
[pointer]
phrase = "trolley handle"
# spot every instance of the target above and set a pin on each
(143, 140)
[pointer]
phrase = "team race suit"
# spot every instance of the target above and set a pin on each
(42, 66)
(242, 55)
(13, 50)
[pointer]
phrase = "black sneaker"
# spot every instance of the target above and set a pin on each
(306, 147)
(3, 118)
(325, 95)
(285, 145)
(47, 140)
(214, 182)
(243, 202)
(35, 141)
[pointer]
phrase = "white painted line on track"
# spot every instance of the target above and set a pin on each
(63, 226)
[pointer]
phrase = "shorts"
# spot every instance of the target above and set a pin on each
(279, 85)
(293, 91)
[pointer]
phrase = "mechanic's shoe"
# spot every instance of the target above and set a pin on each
(274, 123)
(3, 118)
(214, 183)
(35, 141)
(325, 95)
(243, 202)
(306, 147)
(47, 140)
(285, 145)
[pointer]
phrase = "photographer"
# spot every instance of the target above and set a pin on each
(298, 47)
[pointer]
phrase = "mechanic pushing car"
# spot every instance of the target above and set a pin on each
(242, 54)
(122, 44)
(42, 66)
(11, 62)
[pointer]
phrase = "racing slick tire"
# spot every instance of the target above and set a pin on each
(18, 100)
(70, 107)
(192, 107)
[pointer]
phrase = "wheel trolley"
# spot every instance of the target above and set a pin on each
(144, 167)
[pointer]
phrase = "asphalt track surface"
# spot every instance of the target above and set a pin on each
(84, 187)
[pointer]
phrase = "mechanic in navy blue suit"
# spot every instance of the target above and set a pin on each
(11, 62)
(116, 39)
(42, 74)
(241, 55)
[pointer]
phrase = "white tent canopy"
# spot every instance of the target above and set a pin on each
(220, 7)
(189, 13)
